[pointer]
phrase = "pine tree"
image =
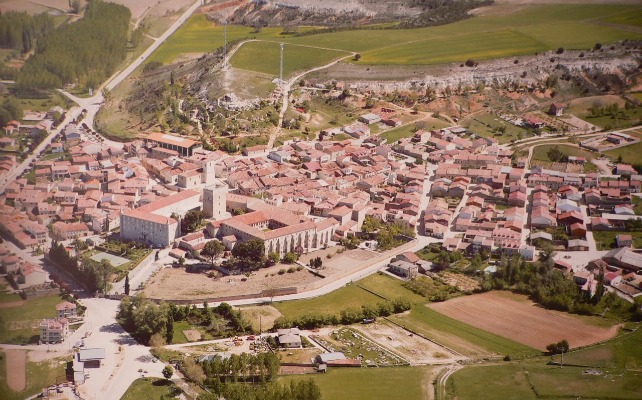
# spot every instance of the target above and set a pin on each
(170, 327)
(127, 285)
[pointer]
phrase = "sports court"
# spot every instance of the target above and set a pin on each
(114, 260)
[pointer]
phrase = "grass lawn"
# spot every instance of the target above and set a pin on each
(39, 375)
(264, 57)
(619, 361)
(389, 288)
(6, 297)
(402, 383)
(605, 240)
(19, 324)
(457, 335)
(637, 205)
(151, 388)
(331, 303)
(509, 380)
(630, 154)
(405, 131)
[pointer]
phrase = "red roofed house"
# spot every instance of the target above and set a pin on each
(66, 309)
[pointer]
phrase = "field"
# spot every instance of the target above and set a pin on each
(390, 288)
(38, 375)
(331, 303)
(264, 57)
(151, 388)
(354, 344)
(512, 316)
(20, 324)
(539, 153)
(465, 339)
(399, 383)
(261, 317)
(530, 30)
(610, 370)
(605, 240)
(484, 124)
(630, 154)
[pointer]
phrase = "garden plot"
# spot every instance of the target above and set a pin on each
(356, 346)
(413, 348)
(113, 259)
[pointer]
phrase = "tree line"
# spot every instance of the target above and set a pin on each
(303, 390)
(21, 31)
(84, 52)
(94, 275)
(346, 316)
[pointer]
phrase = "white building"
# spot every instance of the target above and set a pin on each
(54, 330)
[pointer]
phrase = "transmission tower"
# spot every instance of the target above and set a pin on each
(281, 66)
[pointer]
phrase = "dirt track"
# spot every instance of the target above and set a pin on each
(16, 374)
(519, 319)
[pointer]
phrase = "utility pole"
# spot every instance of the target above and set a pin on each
(281, 67)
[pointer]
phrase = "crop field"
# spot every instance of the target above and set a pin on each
(539, 153)
(264, 57)
(533, 29)
(515, 317)
(463, 338)
(610, 370)
(389, 288)
(395, 383)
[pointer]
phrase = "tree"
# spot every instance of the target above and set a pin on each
(253, 249)
(127, 285)
(213, 249)
(357, 57)
(169, 328)
(371, 224)
(168, 371)
(274, 257)
(559, 347)
(290, 258)
(192, 220)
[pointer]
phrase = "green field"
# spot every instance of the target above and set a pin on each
(466, 339)
(20, 324)
(151, 388)
(530, 30)
(630, 154)
(39, 375)
(331, 303)
(637, 204)
(264, 57)
(539, 153)
(399, 383)
(485, 125)
(390, 288)
(605, 240)
(618, 362)
(393, 135)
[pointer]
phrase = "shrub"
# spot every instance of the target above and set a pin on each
(282, 271)
(291, 270)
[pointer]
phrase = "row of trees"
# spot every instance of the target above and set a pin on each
(262, 367)
(84, 52)
(347, 316)
(303, 390)
(94, 275)
(21, 31)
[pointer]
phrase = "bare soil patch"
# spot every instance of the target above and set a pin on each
(16, 373)
(261, 317)
(517, 318)
(192, 335)
(413, 348)
(461, 282)
(176, 284)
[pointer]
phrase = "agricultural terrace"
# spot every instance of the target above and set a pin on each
(610, 370)
(530, 30)
(395, 383)
(512, 316)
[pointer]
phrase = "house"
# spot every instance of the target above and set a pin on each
(54, 330)
(370, 118)
(404, 269)
(254, 151)
(66, 309)
(556, 109)
(623, 240)
(577, 230)
(31, 275)
(578, 245)
(289, 338)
